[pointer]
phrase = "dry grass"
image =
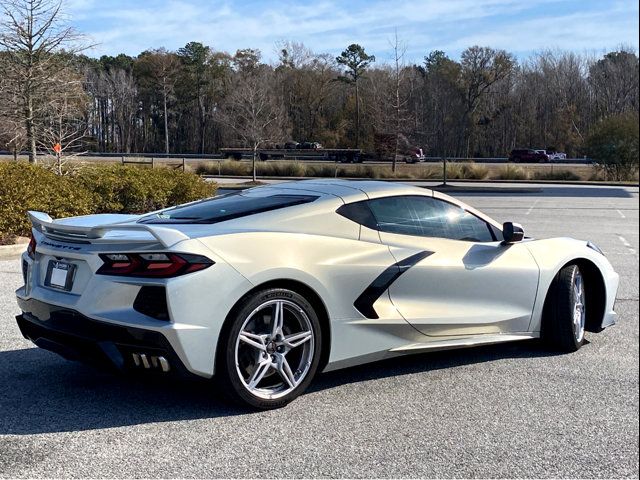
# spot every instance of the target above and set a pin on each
(511, 172)
(428, 171)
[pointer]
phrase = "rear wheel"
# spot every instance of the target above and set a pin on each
(271, 349)
(564, 314)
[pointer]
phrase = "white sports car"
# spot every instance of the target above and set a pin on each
(265, 287)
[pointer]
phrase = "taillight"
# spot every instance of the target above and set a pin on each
(157, 265)
(31, 248)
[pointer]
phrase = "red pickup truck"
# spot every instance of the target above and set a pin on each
(527, 155)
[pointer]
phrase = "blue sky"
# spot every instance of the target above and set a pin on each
(519, 26)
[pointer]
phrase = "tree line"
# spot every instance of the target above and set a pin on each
(198, 99)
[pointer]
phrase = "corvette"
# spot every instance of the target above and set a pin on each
(262, 289)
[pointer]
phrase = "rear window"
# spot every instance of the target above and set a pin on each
(225, 207)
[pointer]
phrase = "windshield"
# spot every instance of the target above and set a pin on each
(225, 207)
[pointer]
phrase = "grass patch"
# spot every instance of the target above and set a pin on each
(466, 171)
(511, 172)
(324, 171)
(562, 175)
(281, 169)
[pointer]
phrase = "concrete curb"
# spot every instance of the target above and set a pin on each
(10, 252)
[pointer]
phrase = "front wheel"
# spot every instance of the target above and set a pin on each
(564, 316)
(270, 351)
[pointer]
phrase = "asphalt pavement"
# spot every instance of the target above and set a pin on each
(512, 410)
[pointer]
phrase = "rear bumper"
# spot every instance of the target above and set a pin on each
(77, 337)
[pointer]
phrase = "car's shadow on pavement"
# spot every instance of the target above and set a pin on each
(43, 393)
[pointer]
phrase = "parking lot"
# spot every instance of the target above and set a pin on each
(511, 410)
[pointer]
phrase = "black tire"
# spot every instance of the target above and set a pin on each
(229, 377)
(559, 331)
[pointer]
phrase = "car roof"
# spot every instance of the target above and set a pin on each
(348, 190)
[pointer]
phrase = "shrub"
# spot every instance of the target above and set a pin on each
(26, 187)
(564, 175)
(511, 172)
(613, 143)
(121, 189)
(129, 189)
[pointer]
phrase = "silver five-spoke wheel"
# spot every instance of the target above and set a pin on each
(565, 314)
(274, 349)
(579, 313)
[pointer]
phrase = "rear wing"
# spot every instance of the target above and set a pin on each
(44, 224)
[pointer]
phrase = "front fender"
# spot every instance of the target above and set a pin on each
(552, 255)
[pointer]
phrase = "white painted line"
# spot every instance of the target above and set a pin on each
(632, 250)
(532, 207)
(622, 215)
(624, 241)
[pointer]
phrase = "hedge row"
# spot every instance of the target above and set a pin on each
(104, 189)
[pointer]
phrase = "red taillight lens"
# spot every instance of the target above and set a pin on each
(156, 265)
(31, 248)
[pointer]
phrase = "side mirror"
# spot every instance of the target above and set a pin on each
(512, 232)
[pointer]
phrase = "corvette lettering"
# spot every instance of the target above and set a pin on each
(60, 246)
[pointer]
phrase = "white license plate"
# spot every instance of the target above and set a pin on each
(60, 275)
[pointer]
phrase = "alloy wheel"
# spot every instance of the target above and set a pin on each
(579, 312)
(274, 349)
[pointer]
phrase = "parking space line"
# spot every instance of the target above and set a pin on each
(629, 247)
(532, 207)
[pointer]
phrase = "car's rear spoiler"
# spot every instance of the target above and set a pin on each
(60, 231)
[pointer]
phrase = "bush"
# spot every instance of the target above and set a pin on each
(129, 189)
(26, 187)
(511, 172)
(564, 175)
(613, 143)
(113, 189)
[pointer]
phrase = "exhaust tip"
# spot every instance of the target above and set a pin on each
(150, 362)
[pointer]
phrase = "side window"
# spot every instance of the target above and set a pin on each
(428, 217)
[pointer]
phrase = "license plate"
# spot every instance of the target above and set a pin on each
(60, 275)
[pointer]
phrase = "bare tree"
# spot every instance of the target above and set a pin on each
(253, 111)
(614, 79)
(399, 50)
(163, 68)
(65, 124)
(33, 34)
(482, 67)
(12, 132)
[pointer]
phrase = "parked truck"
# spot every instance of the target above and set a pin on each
(385, 149)
(295, 150)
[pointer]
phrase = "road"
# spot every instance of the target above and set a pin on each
(500, 411)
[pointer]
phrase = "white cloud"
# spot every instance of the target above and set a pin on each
(330, 25)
